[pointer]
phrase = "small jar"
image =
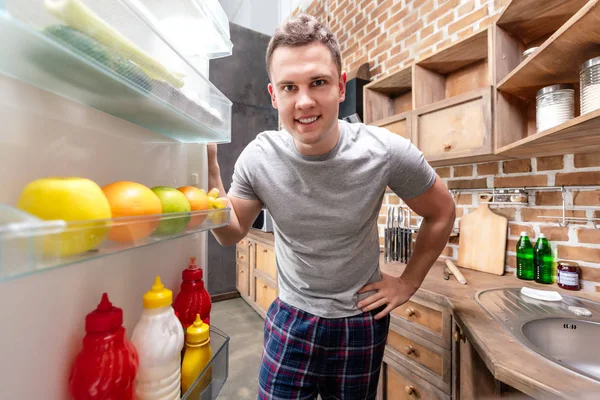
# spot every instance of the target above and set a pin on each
(589, 80)
(553, 106)
(518, 196)
(569, 275)
(501, 196)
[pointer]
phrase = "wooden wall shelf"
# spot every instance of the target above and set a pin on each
(400, 124)
(460, 68)
(577, 135)
(559, 58)
(388, 97)
(474, 100)
(531, 20)
(458, 129)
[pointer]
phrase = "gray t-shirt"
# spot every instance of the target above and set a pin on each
(325, 209)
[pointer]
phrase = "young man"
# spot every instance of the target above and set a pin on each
(323, 181)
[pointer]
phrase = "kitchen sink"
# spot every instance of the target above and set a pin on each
(555, 330)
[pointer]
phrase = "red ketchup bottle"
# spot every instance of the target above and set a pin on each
(105, 368)
(193, 298)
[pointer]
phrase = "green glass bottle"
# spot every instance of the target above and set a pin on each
(542, 259)
(525, 265)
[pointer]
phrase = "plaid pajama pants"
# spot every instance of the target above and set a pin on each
(305, 355)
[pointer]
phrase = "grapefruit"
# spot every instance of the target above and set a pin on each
(172, 201)
(69, 199)
(131, 199)
(198, 201)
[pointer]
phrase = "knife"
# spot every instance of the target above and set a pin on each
(409, 236)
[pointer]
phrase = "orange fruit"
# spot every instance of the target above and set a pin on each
(131, 199)
(198, 201)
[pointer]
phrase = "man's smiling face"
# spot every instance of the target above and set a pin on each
(306, 89)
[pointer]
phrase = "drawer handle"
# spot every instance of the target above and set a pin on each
(458, 336)
(410, 390)
(409, 350)
(265, 250)
(447, 146)
(410, 312)
(264, 286)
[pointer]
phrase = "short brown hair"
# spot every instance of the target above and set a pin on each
(301, 30)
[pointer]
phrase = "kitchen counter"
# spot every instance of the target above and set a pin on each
(507, 359)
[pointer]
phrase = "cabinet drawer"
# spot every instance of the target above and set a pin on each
(265, 260)
(398, 124)
(243, 279)
(459, 127)
(241, 256)
(265, 294)
(399, 383)
(431, 362)
(428, 320)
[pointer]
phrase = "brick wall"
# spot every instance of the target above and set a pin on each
(390, 34)
(578, 242)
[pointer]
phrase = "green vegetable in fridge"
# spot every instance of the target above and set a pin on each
(76, 14)
(82, 43)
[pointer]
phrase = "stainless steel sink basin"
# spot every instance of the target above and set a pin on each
(550, 328)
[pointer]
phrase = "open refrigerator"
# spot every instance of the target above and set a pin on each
(108, 90)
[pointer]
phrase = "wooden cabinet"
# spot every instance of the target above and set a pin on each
(400, 383)
(256, 269)
(418, 357)
(242, 268)
(473, 380)
(400, 124)
(459, 128)
(427, 319)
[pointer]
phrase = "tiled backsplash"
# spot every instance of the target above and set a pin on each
(579, 242)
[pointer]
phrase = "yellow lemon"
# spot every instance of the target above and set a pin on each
(69, 199)
(214, 192)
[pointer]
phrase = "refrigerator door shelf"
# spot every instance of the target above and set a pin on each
(29, 245)
(147, 82)
(210, 382)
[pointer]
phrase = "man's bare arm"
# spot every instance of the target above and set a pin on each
(437, 208)
(243, 212)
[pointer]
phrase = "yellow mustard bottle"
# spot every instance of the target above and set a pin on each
(197, 356)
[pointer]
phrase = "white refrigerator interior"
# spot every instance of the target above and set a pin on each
(42, 315)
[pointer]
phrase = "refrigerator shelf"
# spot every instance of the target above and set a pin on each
(120, 64)
(210, 382)
(29, 245)
(183, 22)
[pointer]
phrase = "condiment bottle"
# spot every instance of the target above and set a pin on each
(158, 338)
(193, 298)
(197, 356)
(106, 367)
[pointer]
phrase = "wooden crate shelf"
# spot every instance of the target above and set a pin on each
(388, 102)
(389, 96)
(533, 20)
(577, 135)
(474, 100)
(559, 58)
(460, 68)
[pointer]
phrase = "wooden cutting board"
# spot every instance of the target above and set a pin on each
(482, 239)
